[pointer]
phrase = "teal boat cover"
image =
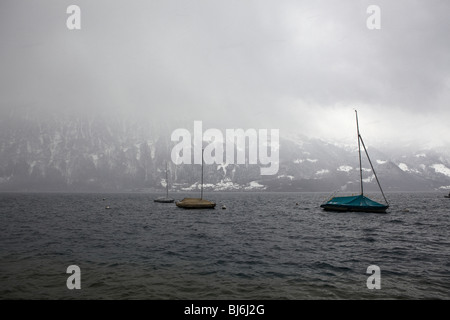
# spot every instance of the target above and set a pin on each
(356, 203)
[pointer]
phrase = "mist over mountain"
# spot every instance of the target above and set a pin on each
(93, 109)
(113, 153)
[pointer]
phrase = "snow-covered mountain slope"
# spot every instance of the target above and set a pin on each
(107, 153)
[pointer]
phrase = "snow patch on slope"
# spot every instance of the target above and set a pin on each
(440, 168)
(345, 168)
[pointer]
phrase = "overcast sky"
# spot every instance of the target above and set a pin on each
(297, 66)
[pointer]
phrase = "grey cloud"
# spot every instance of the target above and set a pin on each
(284, 64)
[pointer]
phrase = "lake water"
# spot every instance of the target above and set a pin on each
(263, 246)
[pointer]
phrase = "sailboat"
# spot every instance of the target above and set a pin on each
(196, 203)
(165, 199)
(359, 203)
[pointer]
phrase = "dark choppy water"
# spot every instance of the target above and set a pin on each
(262, 246)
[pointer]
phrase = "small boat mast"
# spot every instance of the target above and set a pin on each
(359, 151)
(167, 183)
(201, 190)
(197, 203)
(166, 199)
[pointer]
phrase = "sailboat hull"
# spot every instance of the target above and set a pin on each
(354, 204)
(327, 207)
(164, 200)
(195, 203)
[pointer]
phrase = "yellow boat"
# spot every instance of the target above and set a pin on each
(195, 203)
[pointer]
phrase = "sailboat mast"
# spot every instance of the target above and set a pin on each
(373, 170)
(201, 194)
(359, 151)
(167, 184)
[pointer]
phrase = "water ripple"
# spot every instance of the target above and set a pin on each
(264, 246)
